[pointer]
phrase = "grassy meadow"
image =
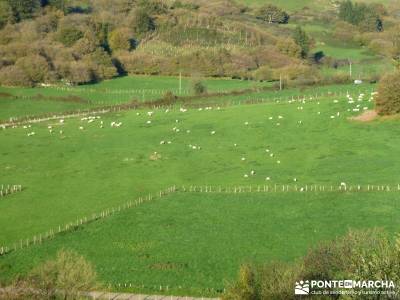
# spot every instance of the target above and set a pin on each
(22, 102)
(85, 166)
(192, 243)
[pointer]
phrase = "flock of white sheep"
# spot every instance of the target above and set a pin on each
(90, 121)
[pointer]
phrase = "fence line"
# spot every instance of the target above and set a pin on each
(9, 189)
(126, 106)
(71, 226)
(283, 188)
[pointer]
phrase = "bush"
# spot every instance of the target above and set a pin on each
(264, 73)
(388, 100)
(169, 98)
(359, 255)
(199, 88)
(66, 276)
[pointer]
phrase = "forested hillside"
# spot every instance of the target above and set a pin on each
(84, 41)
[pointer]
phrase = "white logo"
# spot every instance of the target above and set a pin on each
(302, 288)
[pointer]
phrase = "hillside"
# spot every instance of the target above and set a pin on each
(78, 42)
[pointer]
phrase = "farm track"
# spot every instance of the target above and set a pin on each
(5, 293)
(126, 296)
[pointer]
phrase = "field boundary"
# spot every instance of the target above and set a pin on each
(72, 226)
(236, 189)
(299, 188)
(9, 189)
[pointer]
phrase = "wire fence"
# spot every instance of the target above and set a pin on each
(81, 221)
(7, 189)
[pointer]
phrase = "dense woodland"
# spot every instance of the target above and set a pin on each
(77, 42)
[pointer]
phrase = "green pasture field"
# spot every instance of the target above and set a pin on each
(128, 88)
(110, 92)
(296, 5)
(192, 243)
(71, 175)
(21, 107)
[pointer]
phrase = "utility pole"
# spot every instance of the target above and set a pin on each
(351, 68)
(180, 82)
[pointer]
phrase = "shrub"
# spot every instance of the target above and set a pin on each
(359, 255)
(168, 98)
(264, 73)
(388, 100)
(66, 276)
(199, 88)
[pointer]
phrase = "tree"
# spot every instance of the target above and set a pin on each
(23, 9)
(69, 36)
(14, 76)
(79, 73)
(35, 67)
(388, 100)
(6, 13)
(289, 47)
(272, 14)
(301, 38)
(367, 17)
(120, 39)
(142, 22)
(101, 64)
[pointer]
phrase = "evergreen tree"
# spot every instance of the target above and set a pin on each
(301, 38)
(23, 9)
(6, 14)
